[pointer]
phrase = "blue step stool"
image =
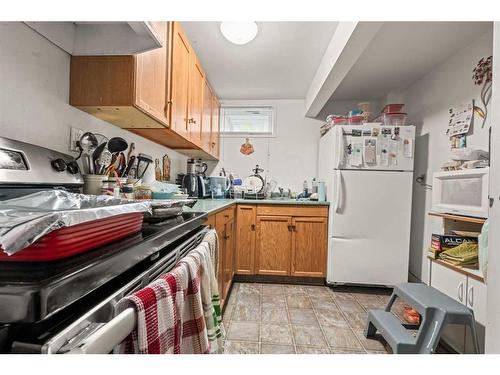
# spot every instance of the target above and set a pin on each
(436, 310)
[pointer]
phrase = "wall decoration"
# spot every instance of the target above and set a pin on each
(246, 148)
(483, 75)
(460, 119)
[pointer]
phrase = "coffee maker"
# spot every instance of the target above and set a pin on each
(203, 182)
(190, 180)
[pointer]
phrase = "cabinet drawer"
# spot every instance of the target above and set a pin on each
(224, 216)
(292, 210)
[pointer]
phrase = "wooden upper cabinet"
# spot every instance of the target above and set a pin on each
(273, 245)
(206, 120)
(157, 94)
(151, 78)
(309, 244)
(181, 52)
(245, 240)
(215, 132)
(195, 100)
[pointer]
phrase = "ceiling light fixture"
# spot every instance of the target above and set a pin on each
(239, 32)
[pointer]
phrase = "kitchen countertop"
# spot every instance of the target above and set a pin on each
(213, 205)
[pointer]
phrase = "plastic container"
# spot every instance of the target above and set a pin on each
(364, 106)
(393, 108)
(80, 238)
(92, 183)
(356, 120)
(393, 119)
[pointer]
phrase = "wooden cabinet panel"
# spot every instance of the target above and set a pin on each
(220, 229)
(215, 132)
(309, 239)
(206, 120)
(245, 240)
(273, 245)
(195, 100)
(228, 257)
(224, 216)
(292, 210)
(210, 221)
(181, 55)
(151, 78)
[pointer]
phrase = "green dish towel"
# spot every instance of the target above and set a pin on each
(462, 255)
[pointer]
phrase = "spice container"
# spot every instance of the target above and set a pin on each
(142, 192)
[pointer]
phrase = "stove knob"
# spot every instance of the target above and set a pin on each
(58, 164)
(72, 167)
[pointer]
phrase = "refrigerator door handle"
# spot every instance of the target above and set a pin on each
(338, 193)
(339, 152)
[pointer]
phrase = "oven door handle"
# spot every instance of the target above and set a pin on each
(109, 335)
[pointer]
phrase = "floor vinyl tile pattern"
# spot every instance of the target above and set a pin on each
(298, 319)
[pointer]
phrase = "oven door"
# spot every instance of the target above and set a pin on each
(463, 192)
(80, 336)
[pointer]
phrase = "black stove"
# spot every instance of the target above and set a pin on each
(47, 307)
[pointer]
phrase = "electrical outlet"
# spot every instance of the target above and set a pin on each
(75, 135)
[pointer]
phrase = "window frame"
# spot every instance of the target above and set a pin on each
(273, 133)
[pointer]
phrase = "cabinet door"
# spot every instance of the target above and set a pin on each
(453, 284)
(206, 120)
(309, 239)
(221, 233)
(476, 299)
(273, 245)
(228, 256)
(195, 100)
(215, 127)
(151, 78)
(245, 240)
(181, 51)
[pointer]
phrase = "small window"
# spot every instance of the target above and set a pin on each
(241, 121)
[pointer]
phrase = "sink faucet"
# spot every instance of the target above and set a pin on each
(281, 192)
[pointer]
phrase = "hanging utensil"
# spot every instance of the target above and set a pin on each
(128, 169)
(166, 168)
(117, 144)
(104, 160)
(88, 143)
(96, 155)
(143, 160)
(131, 150)
(121, 164)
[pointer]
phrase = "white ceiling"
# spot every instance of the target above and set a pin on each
(278, 64)
(402, 52)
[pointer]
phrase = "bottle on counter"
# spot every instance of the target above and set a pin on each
(314, 186)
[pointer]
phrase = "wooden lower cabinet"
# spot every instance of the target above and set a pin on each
(245, 240)
(273, 245)
(224, 224)
(309, 243)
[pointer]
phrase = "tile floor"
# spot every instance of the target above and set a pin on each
(287, 319)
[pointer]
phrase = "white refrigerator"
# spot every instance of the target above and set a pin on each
(368, 173)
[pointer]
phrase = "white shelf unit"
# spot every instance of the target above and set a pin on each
(465, 285)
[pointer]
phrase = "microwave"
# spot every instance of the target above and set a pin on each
(463, 192)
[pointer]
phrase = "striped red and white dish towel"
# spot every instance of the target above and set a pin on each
(158, 328)
(194, 339)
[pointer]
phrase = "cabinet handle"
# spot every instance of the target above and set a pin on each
(289, 228)
(470, 296)
(226, 216)
(252, 227)
(461, 292)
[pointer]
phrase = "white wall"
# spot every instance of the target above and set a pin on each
(427, 103)
(34, 94)
(289, 158)
(493, 295)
